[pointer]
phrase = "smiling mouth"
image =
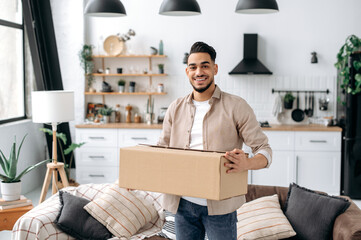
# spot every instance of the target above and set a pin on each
(200, 79)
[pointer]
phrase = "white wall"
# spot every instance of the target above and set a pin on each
(32, 151)
(286, 40)
(69, 33)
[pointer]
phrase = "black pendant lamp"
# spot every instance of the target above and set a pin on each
(257, 6)
(105, 8)
(179, 8)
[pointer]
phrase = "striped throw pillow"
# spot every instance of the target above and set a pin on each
(263, 218)
(122, 212)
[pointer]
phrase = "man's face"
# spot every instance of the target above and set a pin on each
(200, 71)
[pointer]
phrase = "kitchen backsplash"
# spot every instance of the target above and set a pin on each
(255, 89)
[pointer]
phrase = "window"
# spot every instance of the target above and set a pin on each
(12, 79)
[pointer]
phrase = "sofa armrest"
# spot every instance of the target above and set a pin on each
(257, 191)
(347, 225)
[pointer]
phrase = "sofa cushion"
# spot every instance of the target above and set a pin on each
(312, 214)
(75, 221)
(122, 212)
(263, 218)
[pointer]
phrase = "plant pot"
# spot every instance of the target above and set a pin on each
(121, 88)
(106, 119)
(161, 70)
(288, 105)
(11, 191)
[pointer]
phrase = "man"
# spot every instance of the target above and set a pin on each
(212, 120)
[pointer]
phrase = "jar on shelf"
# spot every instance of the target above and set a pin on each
(160, 88)
(117, 113)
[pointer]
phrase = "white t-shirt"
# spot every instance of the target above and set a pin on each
(197, 138)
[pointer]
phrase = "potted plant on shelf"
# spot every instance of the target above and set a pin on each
(86, 61)
(62, 140)
(105, 112)
(352, 46)
(121, 85)
(288, 100)
(161, 68)
(10, 183)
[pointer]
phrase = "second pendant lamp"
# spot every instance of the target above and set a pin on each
(257, 6)
(179, 8)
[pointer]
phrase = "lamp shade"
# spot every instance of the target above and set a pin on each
(257, 6)
(52, 106)
(179, 8)
(105, 8)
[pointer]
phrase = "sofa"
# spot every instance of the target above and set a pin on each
(38, 223)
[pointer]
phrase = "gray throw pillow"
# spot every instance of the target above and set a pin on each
(76, 222)
(312, 214)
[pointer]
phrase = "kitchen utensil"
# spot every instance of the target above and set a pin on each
(310, 111)
(306, 109)
(298, 115)
(312, 104)
(323, 103)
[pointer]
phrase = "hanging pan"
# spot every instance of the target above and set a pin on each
(298, 115)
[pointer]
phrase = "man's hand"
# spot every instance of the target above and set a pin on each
(238, 161)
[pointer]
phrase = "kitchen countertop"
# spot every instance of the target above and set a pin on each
(309, 127)
(274, 127)
(120, 125)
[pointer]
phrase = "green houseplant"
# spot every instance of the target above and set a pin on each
(10, 181)
(105, 112)
(121, 85)
(62, 140)
(288, 100)
(161, 68)
(351, 45)
(86, 61)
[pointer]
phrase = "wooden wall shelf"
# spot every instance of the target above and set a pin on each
(129, 75)
(130, 56)
(125, 93)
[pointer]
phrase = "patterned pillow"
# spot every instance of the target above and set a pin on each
(263, 218)
(122, 212)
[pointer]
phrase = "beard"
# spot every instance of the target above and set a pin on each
(200, 90)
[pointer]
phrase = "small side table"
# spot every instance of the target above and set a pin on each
(8, 217)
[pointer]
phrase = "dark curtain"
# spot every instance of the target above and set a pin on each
(38, 22)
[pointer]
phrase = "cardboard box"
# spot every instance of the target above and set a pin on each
(179, 172)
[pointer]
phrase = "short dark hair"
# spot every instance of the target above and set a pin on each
(203, 47)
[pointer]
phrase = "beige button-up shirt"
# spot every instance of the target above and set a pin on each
(228, 124)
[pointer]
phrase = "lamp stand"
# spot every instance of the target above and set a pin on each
(52, 171)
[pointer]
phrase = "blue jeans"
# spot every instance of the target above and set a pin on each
(192, 221)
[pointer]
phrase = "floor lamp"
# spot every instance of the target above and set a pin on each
(53, 108)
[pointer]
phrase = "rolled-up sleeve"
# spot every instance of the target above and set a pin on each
(252, 134)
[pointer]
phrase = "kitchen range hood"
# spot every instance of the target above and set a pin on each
(250, 64)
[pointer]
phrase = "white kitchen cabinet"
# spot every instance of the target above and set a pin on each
(280, 173)
(319, 171)
(318, 161)
(132, 137)
(98, 160)
(318, 141)
(311, 159)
